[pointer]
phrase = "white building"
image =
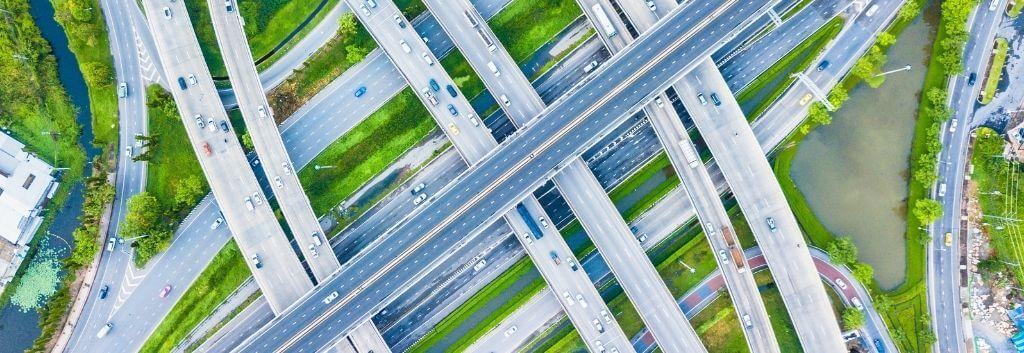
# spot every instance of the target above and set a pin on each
(25, 184)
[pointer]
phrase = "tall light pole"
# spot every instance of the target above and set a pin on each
(319, 167)
(905, 68)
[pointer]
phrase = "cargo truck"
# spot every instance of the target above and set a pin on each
(734, 250)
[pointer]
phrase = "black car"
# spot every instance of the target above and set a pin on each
(104, 291)
(452, 91)
(714, 98)
(973, 77)
(182, 84)
(823, 65)
(224, 125)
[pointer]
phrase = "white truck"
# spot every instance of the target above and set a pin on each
(602, 18)
(689, 153)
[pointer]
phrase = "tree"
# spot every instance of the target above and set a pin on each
(886, 39)
(86, 246)
(882, 302)
(143, 217)
(347, 25)
(355, 53)
(842, 251)
(837, 96)
(853, 318)
(818, 114)
(189, 191)
(864, 273)
(247, 141)
(909, 10)
(927, 210)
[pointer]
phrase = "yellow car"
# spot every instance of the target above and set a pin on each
(805, 99)
(949, 239)
(454, 130)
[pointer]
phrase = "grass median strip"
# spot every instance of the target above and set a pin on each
(221, 277)
(995, 72)
(523, 26)
(366, 150)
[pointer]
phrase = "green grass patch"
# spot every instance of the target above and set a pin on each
(268, 22)
(87, 38)
(561, 55)
(173, 158)
(995, 72)
(462, 74)
(225, 273)
(202, 24)
(524, 26)
(1014, 10)
(366, 150)
(477, 302)
(773, 82)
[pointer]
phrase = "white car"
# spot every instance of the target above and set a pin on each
(747, 322)
(216, 223)
(277, 180)
(543, 222)
(856, 303)
(568, 298)
(330, 297)
(598, 326)
(122, 90)
(579, 298)
(528, 239)
(607, 318)
(192, 79)
(659, 102)
(840, 283)
(504, 100)
(511, 330)
(128, 151)
(427, 59)
(287, 171)
(256, 197)
(419, 199)
(313, 251)
(722, 255)
(248, 203)
(261, 111)
(650, 5)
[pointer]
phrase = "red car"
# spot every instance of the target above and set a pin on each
(165, 291)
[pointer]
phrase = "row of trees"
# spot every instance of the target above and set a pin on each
(88, 241)
(151, 223)
(81, 21)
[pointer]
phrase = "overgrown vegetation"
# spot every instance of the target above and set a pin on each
(87, 37)
(998, 187)
(348, 47)
(225, 273)
(175, 182)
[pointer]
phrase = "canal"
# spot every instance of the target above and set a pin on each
(20, 329)
(854, 172)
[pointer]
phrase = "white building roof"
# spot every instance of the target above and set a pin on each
(25, 182)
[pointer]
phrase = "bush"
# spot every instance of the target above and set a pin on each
(853, 318)
(842, 251)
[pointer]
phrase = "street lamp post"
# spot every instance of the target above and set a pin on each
(319, 167)
(905, 68)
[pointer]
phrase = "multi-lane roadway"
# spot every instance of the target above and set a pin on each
(944, 294)
(540, 148)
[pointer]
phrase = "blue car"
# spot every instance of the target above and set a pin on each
(451, 109)
(434, 86)
(360, 91)
(451, 91)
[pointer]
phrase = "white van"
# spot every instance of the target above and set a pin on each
(105, 330)
(494, 69)
(405, 47)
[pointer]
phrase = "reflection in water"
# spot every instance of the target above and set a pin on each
(854, 172)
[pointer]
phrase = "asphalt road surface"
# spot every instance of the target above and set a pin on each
(560, 142)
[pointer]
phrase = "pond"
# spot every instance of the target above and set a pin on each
(854, 172)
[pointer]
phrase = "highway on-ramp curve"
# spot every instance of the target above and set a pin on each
(518, 167)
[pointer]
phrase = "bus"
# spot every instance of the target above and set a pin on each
(602, 17)
(688, 152)
(530, 223)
